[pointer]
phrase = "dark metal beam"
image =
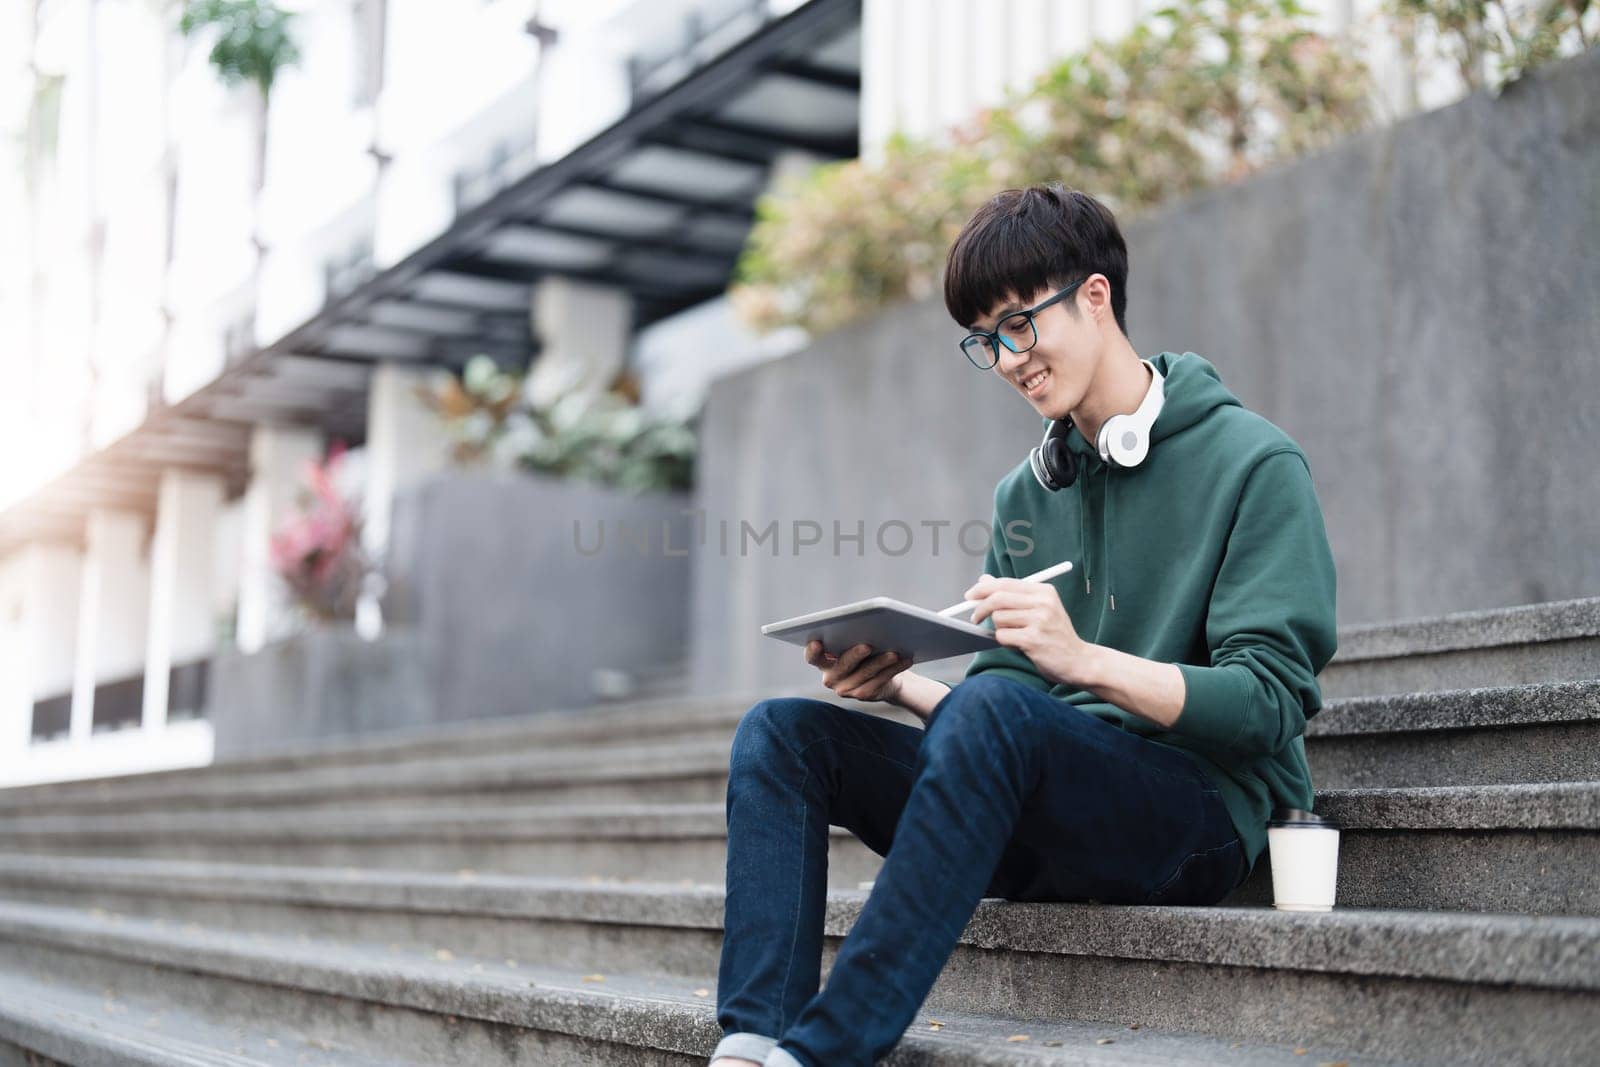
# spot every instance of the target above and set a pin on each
(675, 245)
(702, 141)
(649, 311)
(749, 138)
(817, 74)
(529, 274)
(481, 319)
(243, 410)
(453, 352)
(735, 211)
(505, 327)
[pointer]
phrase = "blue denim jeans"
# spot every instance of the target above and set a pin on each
(1009, 792)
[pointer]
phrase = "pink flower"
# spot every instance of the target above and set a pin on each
(317, 550)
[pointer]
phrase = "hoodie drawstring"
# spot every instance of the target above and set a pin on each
(1105, 518)
(1106, 499)
(1083, 539)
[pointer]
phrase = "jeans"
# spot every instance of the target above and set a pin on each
(1009, 792)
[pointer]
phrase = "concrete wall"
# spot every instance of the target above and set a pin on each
(513, 614)
(1419, 307)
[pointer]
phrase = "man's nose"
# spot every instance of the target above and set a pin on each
(1010, 362)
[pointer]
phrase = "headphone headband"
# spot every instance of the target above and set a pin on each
(1154, 398)
(1124, 440)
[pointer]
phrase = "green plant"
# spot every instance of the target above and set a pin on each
(1494, 42)
(1202, 91)
(41, 132)
(606, 438)
(474, 407)
(850, 237)
(253, 42)
(608, 441)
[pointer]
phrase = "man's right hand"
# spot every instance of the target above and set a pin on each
(857, 673)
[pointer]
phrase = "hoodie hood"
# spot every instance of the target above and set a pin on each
(1192, 389)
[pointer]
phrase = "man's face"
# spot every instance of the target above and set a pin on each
(1062, 363)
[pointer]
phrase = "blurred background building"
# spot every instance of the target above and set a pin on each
(202, 286)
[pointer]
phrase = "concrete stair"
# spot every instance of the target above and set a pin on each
(1541, 731)
(1548, 642)
(479, 895)
(440, 1006)
(53, 1022)
(1077, 958)
(1530, 848)
(557, 734)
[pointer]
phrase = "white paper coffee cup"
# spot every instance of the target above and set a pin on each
(1304, 849)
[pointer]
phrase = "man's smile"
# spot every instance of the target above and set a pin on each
(1034, 384)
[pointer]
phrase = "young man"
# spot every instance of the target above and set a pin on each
(1143, 715)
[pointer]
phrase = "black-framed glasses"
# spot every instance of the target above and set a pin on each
(1016, 331)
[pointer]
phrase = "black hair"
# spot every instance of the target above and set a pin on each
(1025, 240)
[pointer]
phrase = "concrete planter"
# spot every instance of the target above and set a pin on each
(529, 592)
(324, 683)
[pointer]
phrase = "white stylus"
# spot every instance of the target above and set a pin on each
(1037, 576)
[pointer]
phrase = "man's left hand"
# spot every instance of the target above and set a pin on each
(1029, 617)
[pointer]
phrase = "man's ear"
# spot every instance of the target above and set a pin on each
(1097, 289)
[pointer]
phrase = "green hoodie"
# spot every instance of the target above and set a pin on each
(1211, 554)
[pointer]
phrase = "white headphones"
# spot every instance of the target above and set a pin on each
(1123, 440)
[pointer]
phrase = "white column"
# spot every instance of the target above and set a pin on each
(112, 609)
(39, 624)
(277, 460)
(953, 85)
(406, 442)
(182, 579)
(584, 330)
(880, 77)
(914, 92)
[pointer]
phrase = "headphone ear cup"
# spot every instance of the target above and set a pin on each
(1060, 462)
(1040, 473)
(1122, 443)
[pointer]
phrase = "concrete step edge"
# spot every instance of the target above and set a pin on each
(623, 762)
(1532, 806)
(627, 761)
(1557, 620)
(552, 725)
(662, 1013)
(610, 763)
(1458, 709)
(1558, 952)
(1535, 806)
(76, 1026)
(556, 727)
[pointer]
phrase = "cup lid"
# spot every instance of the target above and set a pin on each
(1295, 817)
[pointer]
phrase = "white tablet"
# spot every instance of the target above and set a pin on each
(888, 625)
